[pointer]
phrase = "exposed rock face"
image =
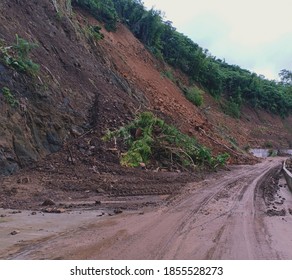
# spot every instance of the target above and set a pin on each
(74, 90)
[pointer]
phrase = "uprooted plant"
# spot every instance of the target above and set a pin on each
(17, 56)
(149, 139)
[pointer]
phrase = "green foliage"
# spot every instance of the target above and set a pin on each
(216, 76)
(102, 10)
(237, 85)
(268, 145)
(93, 33)
(220, 160)
(168, 74)
(9, 98)
(272, 153)
(150, 138)
(232, 109)
(17, 56)
(195, 95)
(286, 77)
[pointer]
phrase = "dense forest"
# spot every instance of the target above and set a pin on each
(216, 76)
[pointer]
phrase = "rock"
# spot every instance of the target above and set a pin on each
(8, 162)
(24, 180)
(71, 160)
(48, 202)
(26, 153)
(15, 212)
(33, 213)
(76, 130)
(290, 211)
(272, 212)
(54, 210)
(97, 202)
(14, 232)
(118, 211)
(53, 142)
(100, 190)
(142, 165)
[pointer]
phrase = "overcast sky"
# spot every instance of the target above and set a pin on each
(254, 34)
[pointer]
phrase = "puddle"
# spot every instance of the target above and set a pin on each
(27, 226)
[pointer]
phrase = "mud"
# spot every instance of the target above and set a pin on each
(224, 216)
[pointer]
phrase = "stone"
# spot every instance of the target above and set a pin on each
(118, 211)
(48, 202)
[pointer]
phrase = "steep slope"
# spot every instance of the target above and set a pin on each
(85, 87)
(74, 90)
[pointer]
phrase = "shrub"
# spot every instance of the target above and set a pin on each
(93, 32)
(17, 56)
(9, 98)
(102, 10)
(150, 138)
(195, 96)
(232, 109)
(168, 74)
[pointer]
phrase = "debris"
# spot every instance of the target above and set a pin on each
(54, 210)
(272, 212)
(24, 180)
(100, 190)
(142, 165)
(48, 202)
(15, 212)
(14, 232)
(118, 211)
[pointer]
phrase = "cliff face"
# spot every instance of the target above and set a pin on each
(74, 90)
(89, 86)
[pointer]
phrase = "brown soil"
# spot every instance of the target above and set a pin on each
(53, 141)
(244, 213)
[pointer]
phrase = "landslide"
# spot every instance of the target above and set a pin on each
(82, 89)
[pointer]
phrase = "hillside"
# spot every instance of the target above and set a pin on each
(85, 87)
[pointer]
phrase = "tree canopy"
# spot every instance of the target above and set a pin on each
(216, 76)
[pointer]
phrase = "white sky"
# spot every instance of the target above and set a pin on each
(254, 34)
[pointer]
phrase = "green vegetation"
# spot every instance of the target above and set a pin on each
(232, 109)
(194, 95)
(149, 138)
(168, 74)
(9, 98)
(17, 56)
(218, 77)
(93, 33)
(102, 10)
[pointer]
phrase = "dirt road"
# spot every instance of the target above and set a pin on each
(239, 214)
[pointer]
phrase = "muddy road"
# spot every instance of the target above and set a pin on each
(244, 213)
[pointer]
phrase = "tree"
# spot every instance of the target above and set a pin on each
(286, 77)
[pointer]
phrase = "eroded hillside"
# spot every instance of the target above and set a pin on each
(85, 87)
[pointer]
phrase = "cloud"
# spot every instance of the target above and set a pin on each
(254, 34)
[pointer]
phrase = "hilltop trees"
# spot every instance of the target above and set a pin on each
(219, 78)
(286, 77)
(103, 10)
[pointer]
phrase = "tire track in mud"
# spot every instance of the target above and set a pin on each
(218, 218)
(232, 192)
